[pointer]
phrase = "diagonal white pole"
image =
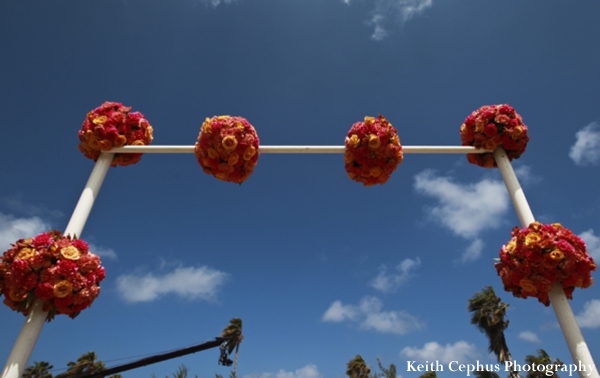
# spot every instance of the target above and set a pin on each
(21, 352)
(568, 324)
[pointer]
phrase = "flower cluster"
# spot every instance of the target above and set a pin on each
(540, 255)
(113, 125)
(53, 268)
(490, 127)
(227, 148)
(373, 151)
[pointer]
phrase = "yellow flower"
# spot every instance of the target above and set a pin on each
(535, 226)
(557, 226)
(229, 142)
(25, 253)
(99, 120)
(206, 126)
(510, 247)
(369, 120)
(17, 295)
(223, 117)
(249, 153)
(70, 253)
(62, 289)
(557, 254)
(354, 140)
(374, 142)
(532, 238)
(517, 131)
(395, 140)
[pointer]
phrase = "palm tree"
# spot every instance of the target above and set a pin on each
(429, 374)
(357, 368)
(233, 332)
(542, 358)
(38, 370)
(488, 315)
(486, 374)
(385, 373)
(86, 363)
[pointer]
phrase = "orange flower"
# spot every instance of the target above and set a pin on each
(375, 171)
(532, 238)
(557, 255)
(233, 158)
(212, 153)
(249, 153)
(528, 285)
(229, 142)
(354, 140)
(374, 142)
(120, 141)
(62, 289)
(105, 145)
(489, 144)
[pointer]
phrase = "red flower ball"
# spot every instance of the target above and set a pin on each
(541, 255)
(52, 268)
(227, 148)
(373, 151)
(494, 126)
(113, 125)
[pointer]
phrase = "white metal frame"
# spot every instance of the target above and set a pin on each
(23, 347)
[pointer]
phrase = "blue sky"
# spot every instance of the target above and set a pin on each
(319, 267)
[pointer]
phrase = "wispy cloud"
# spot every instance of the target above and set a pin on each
(388, 12)
(13, 229)
(309, 371)
(465, 209)
(368, 315)
(592, 242)
(460, 351)
(187, 283)
(103, 252)
(586, 150)
(590, 316)
(390, 282)
(529, 337)
(216, 3)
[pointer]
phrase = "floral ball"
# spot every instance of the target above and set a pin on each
(113, 125)
(227, 148)
(58, 270)
(494, 126)
(373, 151)
(540, 255)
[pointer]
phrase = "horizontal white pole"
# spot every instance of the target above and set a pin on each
(302, 149)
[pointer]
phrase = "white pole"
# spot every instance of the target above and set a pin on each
(303, 149)
(568, 324)
(21, 352)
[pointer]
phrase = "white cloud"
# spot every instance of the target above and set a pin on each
(590, 316)
(390, 282)
(13, 229)
(396, 10)
(465, 209)
(529, 337)
(215, 3)
(369, 316)
(586, 150)
(187, 283)
(460, 351)
(338, 312)
(103, 251)
(592, 242)
(526, 176)
(309, 371)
